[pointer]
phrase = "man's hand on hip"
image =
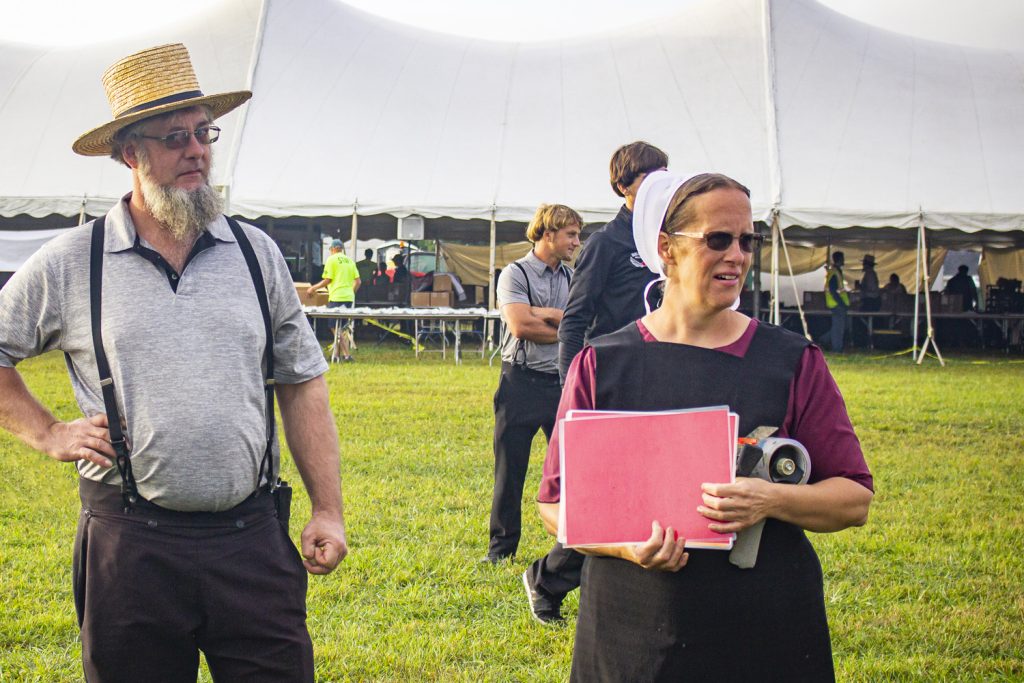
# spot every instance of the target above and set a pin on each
(323, 543)
(86, 438)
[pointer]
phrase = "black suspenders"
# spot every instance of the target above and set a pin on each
(129, 491)
(268, 351)
(521, 344)
(529, 292)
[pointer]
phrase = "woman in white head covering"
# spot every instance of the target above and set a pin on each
(656, 611)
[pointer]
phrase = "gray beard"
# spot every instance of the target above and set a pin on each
(183, 213)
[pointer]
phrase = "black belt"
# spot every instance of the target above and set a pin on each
(99, 497)
(534, 374)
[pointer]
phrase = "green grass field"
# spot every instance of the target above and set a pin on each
(931, 589)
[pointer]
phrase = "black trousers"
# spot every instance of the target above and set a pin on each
(154, 587)
(526, 401)
(559, 572)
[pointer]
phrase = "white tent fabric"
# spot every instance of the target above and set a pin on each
(875, 127)
(828, 121)
(407, 121)
(48, 97)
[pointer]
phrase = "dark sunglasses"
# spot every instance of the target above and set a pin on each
(720, 241)
(205, 135)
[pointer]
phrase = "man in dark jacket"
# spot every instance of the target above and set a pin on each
(608, 286)
(963, 284)
(606, 293)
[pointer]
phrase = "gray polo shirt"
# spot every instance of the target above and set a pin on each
(186, 365)
(548, 289)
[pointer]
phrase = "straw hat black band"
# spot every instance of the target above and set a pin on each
(156, 81)
(170, 99)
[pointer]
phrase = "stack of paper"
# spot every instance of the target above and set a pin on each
(622, 470)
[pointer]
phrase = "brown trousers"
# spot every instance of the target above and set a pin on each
(155, 587)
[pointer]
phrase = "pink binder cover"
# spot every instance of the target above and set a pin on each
(622, 470)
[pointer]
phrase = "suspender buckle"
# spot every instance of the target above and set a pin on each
(129, 496)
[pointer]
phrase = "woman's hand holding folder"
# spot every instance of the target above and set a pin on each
(663, 551)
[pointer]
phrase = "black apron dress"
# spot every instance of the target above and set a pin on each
(711, 621)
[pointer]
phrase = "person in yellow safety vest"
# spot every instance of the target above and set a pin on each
(837, 299)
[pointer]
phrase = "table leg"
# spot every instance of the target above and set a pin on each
(458, 343)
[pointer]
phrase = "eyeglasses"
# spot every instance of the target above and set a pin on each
(720, 241)
(205, 135)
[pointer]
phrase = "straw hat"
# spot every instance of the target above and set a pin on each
(148, 83)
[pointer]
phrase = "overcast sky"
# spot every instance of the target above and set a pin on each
(982, 23)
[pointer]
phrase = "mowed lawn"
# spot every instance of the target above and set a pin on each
(931, 589)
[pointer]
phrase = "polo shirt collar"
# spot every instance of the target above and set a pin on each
(538, 265)
(120, 229)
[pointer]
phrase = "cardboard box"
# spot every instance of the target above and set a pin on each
(951, 303)
(442, 282)
(420, 300)
(814, 301)
(318, 299)
(475, 297)
(440, 299)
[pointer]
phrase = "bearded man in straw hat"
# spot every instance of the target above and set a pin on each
(180, 327)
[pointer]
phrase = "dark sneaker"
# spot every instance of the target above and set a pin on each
(496, 559)
(545, 608)
(349, 359)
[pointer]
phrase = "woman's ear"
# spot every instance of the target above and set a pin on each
(665, 250)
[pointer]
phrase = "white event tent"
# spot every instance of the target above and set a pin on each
(829, 121)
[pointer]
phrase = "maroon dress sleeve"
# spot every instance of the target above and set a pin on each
(816, 417)
(577, 394)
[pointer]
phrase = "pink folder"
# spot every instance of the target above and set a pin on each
(622, 470)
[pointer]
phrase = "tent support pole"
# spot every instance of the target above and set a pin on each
(917, 288)
(756, 303)
(923, 284)
(491, 301)
(775, 314)
(81, 211)
(789, 268)
(355, 229)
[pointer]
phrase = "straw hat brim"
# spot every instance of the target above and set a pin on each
(97, 142)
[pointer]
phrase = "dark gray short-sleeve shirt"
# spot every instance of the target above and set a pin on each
(549, 289)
